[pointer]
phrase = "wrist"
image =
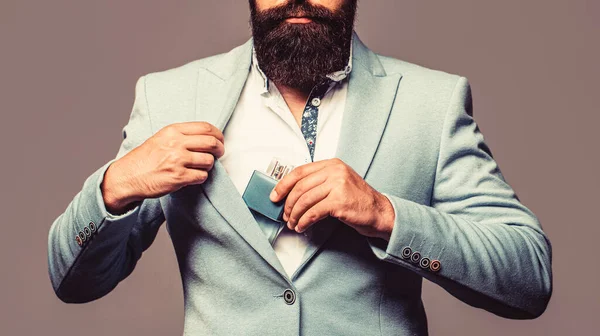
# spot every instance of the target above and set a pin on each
(116, 194)
(386, 218)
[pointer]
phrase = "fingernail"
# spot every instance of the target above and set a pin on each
(273, 195)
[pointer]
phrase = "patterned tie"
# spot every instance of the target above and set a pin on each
(310, 115)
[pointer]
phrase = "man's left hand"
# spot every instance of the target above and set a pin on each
(332, 188)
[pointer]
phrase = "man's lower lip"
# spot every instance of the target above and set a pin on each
(298, 20)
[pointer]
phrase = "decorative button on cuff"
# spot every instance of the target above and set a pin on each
(86, 233)
(415, 257)
(425, 262)
(406, 252)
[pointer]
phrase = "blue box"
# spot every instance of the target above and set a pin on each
(257, 195)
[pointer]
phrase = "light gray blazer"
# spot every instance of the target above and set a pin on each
(407, 130)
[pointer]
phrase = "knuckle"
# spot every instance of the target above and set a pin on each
(207, 127)
(296, 172)
(341, 170)
(214, 143)
(172, 142)
(170, 129)
(173, 156)
(300, 188)
(174, 159)
(287, 207)
(337, 211)
(311, 216)
(209, 160)
(178, 175)
(203, 175)
(303, 201)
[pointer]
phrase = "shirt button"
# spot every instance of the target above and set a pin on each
(289, 296)
(316, 102)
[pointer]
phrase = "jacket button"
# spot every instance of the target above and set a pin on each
(78, 240)
(92, 226)
(87, 231)
(425, 263)
(82, 236)
(415, 257)
(289, 296)
(406, 252)
(435, 265)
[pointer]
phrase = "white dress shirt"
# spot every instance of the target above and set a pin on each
(262, 127)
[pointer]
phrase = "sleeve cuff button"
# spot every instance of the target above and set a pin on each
(415, 257)
(406, 252)
(82, 236)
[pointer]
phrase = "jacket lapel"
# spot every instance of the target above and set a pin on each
(371, 94)
(219, 89)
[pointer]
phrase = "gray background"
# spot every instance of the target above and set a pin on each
(67, 76)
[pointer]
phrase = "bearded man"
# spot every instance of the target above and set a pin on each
(388, 181)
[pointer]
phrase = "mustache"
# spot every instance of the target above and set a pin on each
(317, 13)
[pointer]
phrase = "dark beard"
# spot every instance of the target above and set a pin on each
(301, 55)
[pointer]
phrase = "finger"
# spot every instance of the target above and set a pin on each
(196, 176)
(301, 187)
(199, 128)
(306, 202)
(204, 143)
(197, 160)
(316, 213)
(284, 186)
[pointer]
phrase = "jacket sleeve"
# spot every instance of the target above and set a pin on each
(476, 240)
(91, 250)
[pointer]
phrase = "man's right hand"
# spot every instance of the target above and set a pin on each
(179, 154)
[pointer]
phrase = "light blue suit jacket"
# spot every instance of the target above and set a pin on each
(407, 130)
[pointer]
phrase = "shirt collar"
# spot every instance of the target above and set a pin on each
(336, 76)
